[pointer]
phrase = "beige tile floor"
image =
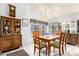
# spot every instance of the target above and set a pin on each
(70, 51)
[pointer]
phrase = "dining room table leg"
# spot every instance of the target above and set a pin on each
(48, 48)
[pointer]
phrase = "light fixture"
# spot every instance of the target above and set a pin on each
(46, 13)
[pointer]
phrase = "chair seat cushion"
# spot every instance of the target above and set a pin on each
(41, 45)
(55, 43)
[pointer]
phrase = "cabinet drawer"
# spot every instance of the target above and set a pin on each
(16, 42)
(73, 39)
(5, 45)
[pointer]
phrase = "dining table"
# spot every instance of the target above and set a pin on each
(48, 39)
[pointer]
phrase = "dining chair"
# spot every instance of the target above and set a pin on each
(63, 41)
(58, 43)
(38, 44)
(65, 37)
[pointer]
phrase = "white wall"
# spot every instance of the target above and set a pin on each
(4, 9)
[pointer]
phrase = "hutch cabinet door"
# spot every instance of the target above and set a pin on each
(16, 42)
(74, 39)
(68, 38)
(5, 45)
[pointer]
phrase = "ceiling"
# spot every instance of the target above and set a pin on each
(57, 9)
(61, 9)
(51, 10)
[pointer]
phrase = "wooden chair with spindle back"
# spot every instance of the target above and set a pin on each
(37, 43)
(65, 37)
(58, 43)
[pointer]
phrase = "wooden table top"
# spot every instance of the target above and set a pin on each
(49, 37)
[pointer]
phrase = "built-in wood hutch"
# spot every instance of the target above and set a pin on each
(10, 33)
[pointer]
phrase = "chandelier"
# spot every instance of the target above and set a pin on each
(44, 13)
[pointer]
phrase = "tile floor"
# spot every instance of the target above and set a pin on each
(70, 51)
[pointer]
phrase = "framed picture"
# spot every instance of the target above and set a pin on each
(25, 22)
(12, 10)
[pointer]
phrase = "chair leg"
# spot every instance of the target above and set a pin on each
(49, 50)
(46, 50)
(34, 50)
(54, 49)
(65, 46)
(62, 49)
(59, 51)
(39, 52)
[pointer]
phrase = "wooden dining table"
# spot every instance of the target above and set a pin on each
(48, 39)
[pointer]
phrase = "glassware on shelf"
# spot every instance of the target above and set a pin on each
(17, 28)
(7, 30)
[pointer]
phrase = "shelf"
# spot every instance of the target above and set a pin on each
(8, 23)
